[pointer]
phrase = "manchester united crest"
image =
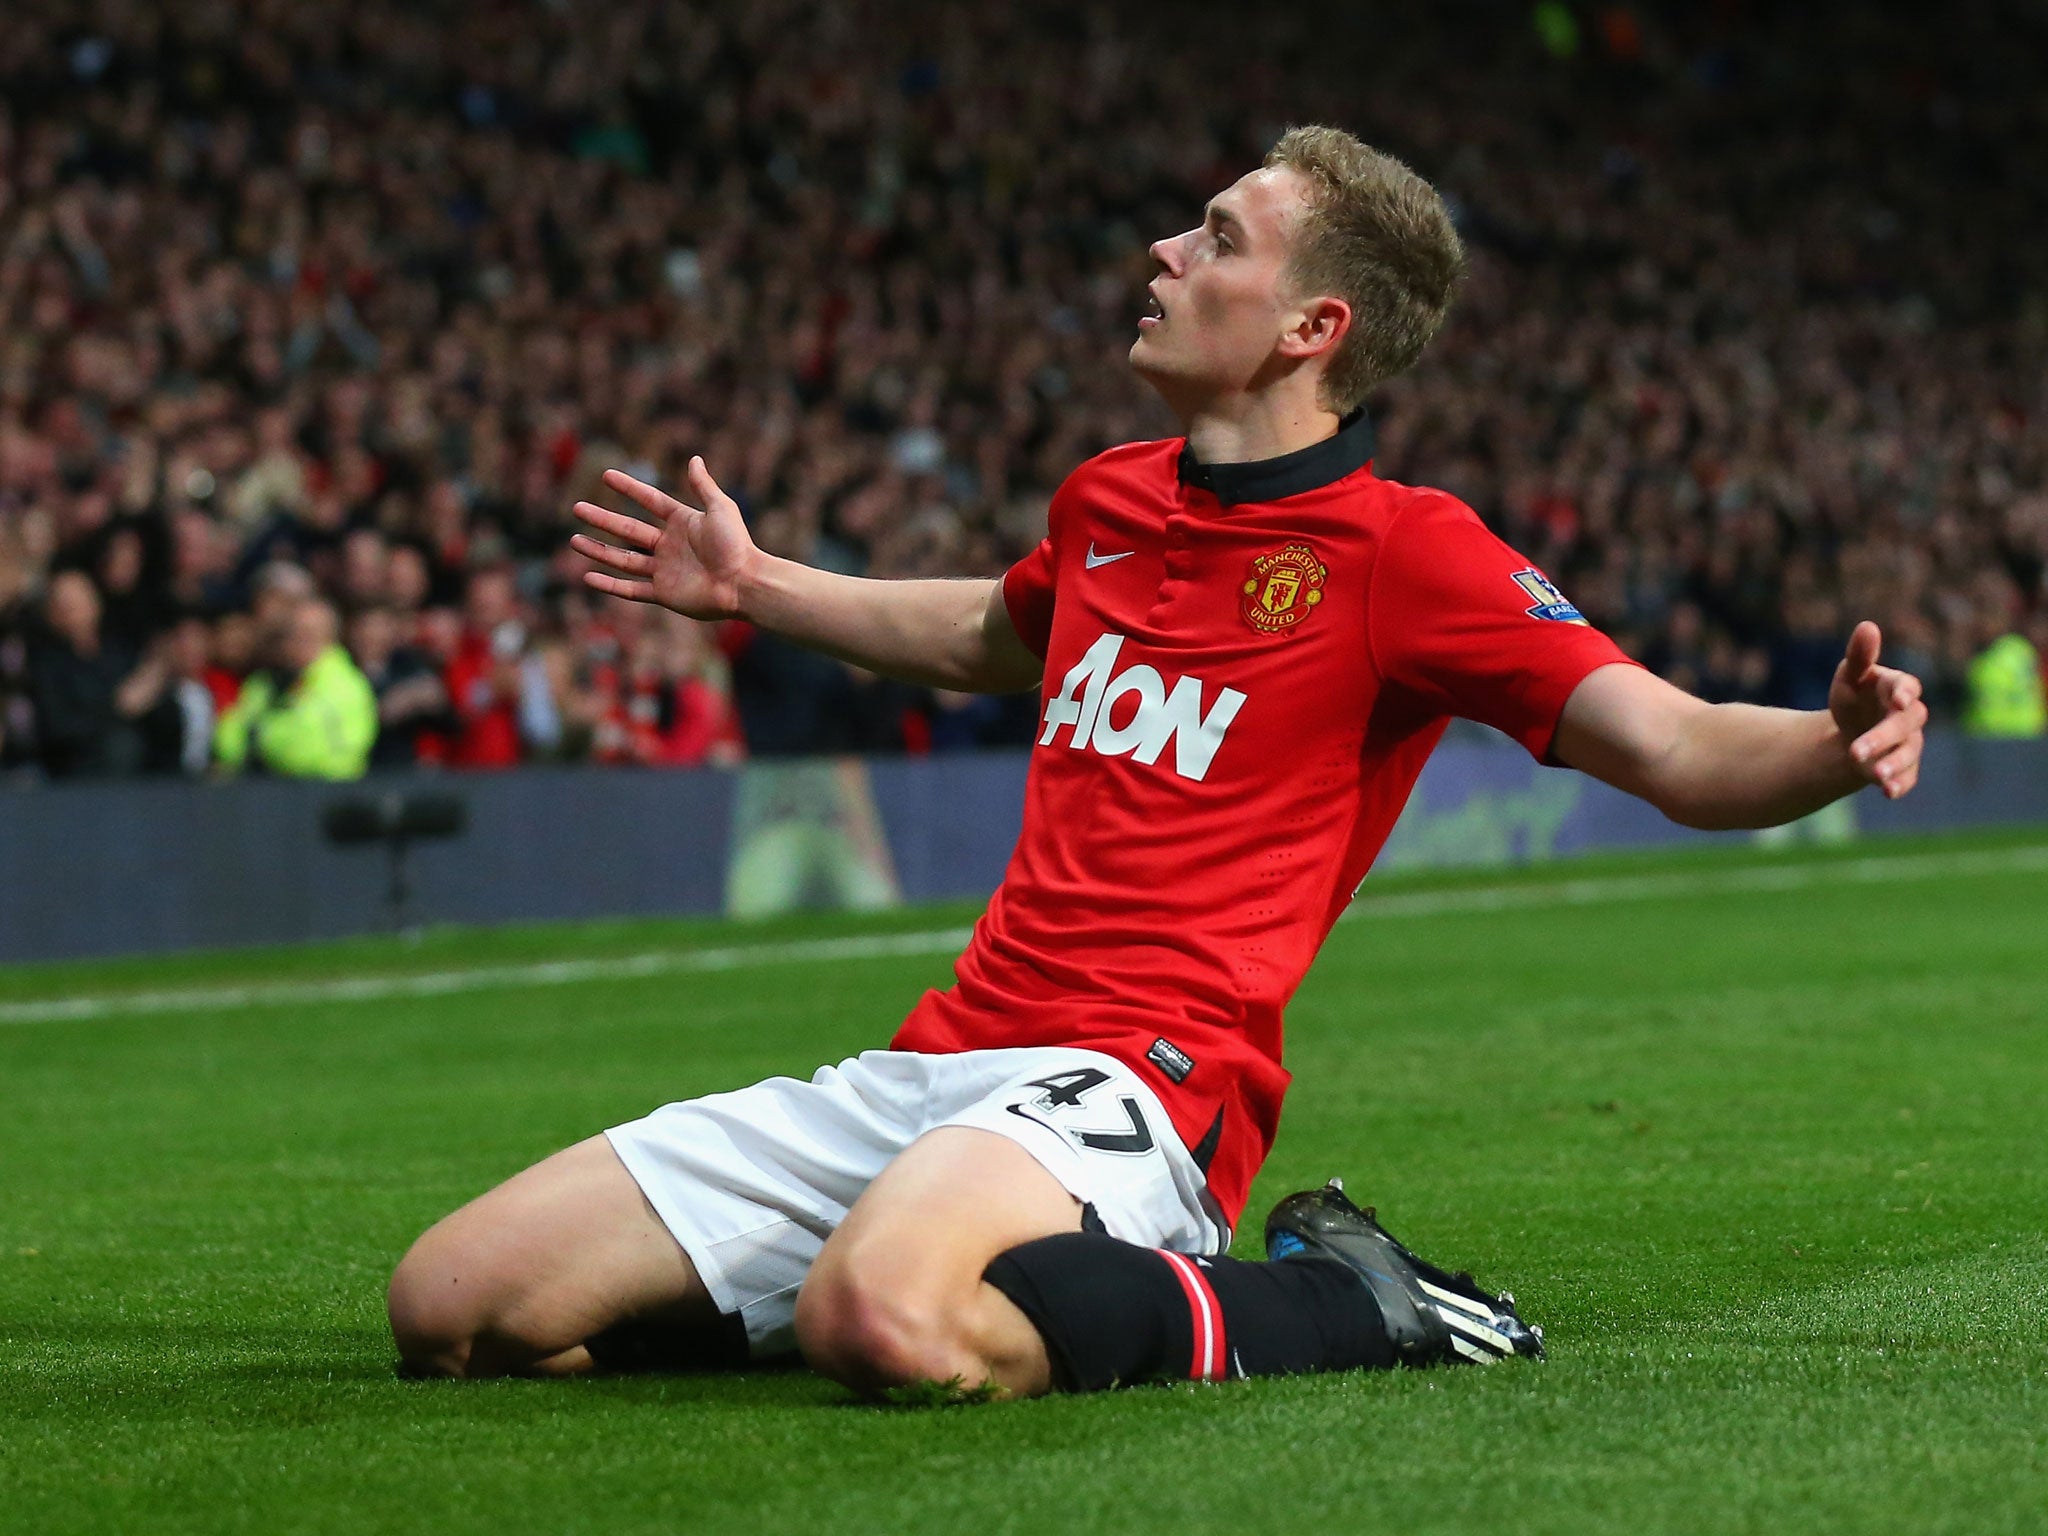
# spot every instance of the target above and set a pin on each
(1282, 588)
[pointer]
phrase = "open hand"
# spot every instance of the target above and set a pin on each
(690, 559)
(1879, 714)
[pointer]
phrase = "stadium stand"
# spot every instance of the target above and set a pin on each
(304, 303)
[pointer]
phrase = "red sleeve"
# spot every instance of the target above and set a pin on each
(1028, 585)
(1027, 593)
(1468, 627)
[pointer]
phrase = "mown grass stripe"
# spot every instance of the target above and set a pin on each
(556, 973)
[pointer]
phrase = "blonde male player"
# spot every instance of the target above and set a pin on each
(1249, 644)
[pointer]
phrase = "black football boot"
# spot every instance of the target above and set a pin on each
(1431, 1315)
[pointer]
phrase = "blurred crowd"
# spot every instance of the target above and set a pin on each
(314, 320)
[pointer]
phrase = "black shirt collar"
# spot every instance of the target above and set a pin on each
(1305, 469)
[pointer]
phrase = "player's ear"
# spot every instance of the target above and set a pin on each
(1316, 327)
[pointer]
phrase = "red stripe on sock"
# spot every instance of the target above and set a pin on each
(1219, 1360)
(1205, 1316)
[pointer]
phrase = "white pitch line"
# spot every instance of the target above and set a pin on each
(1704, 882)
(546, 973)
(936, 941)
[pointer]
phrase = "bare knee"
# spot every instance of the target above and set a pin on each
(455, 1313)
(435, 1318)
(868, 1331)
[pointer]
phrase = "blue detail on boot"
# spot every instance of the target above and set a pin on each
(1285, 1245)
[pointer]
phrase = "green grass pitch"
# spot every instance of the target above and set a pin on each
(1762, 1140)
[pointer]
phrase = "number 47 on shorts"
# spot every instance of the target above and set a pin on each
(1063, 1093)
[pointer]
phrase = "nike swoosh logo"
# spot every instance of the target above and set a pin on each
(1024, 1114)
(1095, 560)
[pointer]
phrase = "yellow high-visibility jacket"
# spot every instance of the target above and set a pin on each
(2006, 696)
(322, 727)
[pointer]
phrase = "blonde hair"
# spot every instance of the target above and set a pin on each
(1377, 236)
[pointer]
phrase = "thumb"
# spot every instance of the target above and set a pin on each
(701, 482)
(1861, 659)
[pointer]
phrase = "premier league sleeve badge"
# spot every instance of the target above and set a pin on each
(1550, 603)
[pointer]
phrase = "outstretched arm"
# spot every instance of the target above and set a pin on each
(1721, 766)
(700, 561)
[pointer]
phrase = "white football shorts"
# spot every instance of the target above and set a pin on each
(752, 1182)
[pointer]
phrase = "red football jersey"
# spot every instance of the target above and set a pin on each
(1246, 666)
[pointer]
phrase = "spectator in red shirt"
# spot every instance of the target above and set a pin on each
(671, 707)
(484, 677)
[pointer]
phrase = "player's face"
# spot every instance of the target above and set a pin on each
(1221, 297)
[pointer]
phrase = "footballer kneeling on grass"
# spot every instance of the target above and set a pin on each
(1240, 633)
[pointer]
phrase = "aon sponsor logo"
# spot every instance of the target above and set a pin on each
(1095, 695)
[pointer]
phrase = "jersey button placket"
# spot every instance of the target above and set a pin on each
(1178, 563)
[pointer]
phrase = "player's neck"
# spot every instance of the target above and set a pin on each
(1246, 428)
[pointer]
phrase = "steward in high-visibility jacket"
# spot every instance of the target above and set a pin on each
(320, 723)
(2006, 695)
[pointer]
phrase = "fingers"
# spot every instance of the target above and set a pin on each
(625, 562)
(658, 505)
(1900, 770)
(1907, 720)
(1861, 659)
(629, 529)
(614, 586)
(1889, 752)
(1895, 689)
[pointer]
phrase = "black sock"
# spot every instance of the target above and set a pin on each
(1112, 1313)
